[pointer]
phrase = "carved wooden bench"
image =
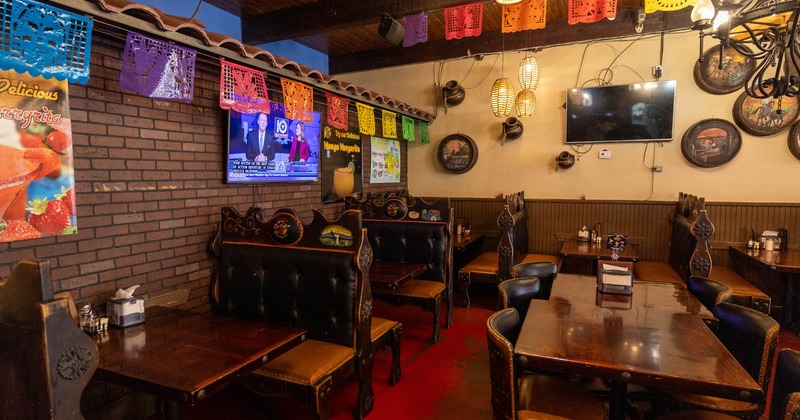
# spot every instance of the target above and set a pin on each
(495, 266)
(689, 255)
(314, 277)
(403, 228)
(47, 359)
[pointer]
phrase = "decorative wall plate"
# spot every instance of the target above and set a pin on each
(711, 143)
(285, 228)
(794, 140)
(761, 117)
(457, 153)
(736, 68)
(395, 208)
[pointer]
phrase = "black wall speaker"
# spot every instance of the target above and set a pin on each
(391, 30)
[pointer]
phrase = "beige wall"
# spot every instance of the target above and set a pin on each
(763, 171)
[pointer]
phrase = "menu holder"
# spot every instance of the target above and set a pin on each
(613, 301)
(615, 277)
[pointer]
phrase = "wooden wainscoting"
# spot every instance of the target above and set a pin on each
(734, 223)
(646, 222)
(482, 214)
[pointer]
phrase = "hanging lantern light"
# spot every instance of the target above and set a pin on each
(529, 73)
(525, 103)
(502, 97)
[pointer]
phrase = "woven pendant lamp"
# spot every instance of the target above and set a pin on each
(525, 103)
(529, 73)
(502, 97)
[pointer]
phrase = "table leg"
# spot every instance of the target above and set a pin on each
(788, 302)
(170, 408)
(617, 400)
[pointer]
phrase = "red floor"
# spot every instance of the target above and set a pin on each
(449, 380)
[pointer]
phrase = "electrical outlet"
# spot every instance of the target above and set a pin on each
(658, 168)
(604, 154)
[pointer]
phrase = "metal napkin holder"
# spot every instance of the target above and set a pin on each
(615, 281)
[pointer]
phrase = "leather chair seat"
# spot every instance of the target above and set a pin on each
(531, 258)
(715, 403)
(380, 326)
(533, 415)
(416, 288)
(744, 292)
(696, 415)
(725, 275)
(485, 263)
(548, 397)
(307, 363)
(656, 271)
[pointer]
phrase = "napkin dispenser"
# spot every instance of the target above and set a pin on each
(124, 309)
(615, 278)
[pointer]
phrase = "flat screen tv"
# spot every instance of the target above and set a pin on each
(277, 154)
(637, 112)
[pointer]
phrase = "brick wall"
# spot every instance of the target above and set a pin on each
(149, 183)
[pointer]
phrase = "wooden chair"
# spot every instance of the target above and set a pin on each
(751, 337)
(517, 293)
(47, 359)
(546, 271)
(709, 292)
(388, 334)
(785, 401)
(518, 396)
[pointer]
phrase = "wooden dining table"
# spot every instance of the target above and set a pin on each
(183, 357)
(776, 273)
(466, 248)
(662, 347)
(580, 257)
(391, 274)
(672, 297)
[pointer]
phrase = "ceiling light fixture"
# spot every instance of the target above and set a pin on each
(505, 2)
(764, 30)
(502, 96)
(525, 103)
(529, 72)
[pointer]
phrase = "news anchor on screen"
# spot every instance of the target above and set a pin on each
(299, 151)
(260, 141)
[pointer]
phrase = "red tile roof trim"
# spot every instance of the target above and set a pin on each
(196, 29)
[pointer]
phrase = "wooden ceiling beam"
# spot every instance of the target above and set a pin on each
(322, 16)
(556, 33)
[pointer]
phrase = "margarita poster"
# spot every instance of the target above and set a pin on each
(37, 181)
(340, 164)
(385, 162)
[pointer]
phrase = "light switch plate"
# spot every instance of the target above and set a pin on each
(604, 154)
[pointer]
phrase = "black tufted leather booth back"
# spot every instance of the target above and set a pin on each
(417, 242)
(302, 288)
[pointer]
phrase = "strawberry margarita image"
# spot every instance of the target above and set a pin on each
(22, 167)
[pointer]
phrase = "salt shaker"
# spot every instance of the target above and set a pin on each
(85, 317)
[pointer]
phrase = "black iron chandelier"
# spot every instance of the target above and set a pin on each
(763, 30)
